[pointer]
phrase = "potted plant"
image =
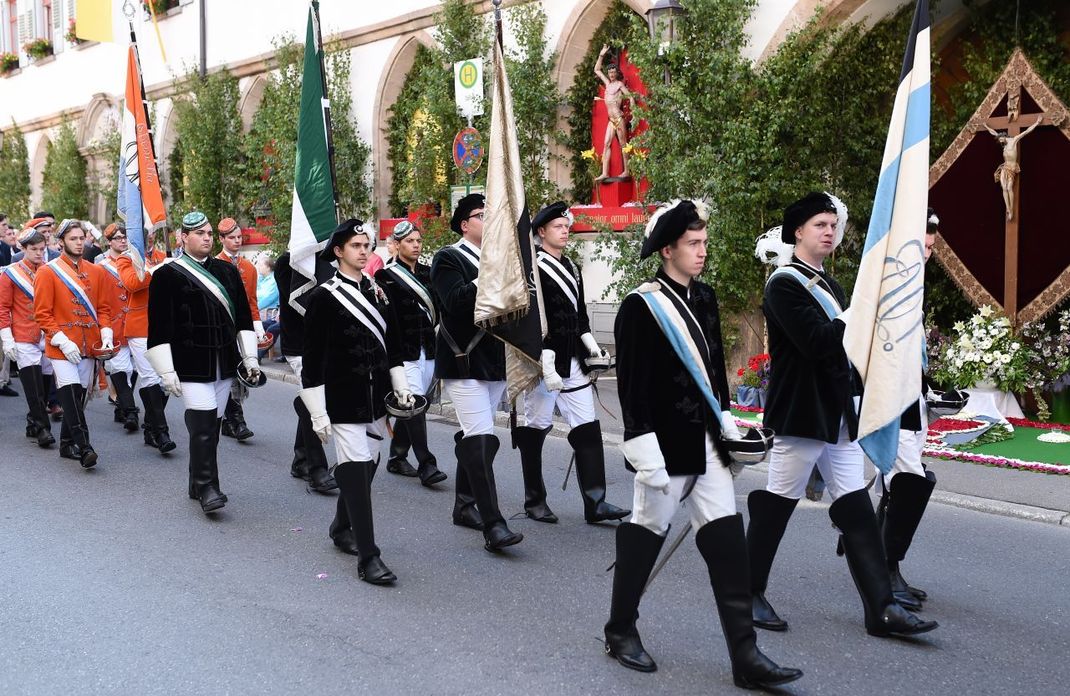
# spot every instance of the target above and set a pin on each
(38, 48)
(72, 35)
(1049, 365)
(754, 381)
(8, 62)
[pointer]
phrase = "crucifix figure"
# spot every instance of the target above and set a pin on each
(1007, 173)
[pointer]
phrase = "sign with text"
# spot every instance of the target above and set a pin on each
(468, 86)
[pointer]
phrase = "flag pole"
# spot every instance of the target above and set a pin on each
(152, 140)
(326, 108)
(498, 23)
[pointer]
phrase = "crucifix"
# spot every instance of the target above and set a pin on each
(1009, 131)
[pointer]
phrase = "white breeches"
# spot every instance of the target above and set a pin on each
(295, 362)
(908, 457)
(69, 373)
(713, 497)
(842, 465)
(420, 373)
(353, 442)
(576, 407)
(30, 354)
(475, 402)
(206, 396)
(146, 376)
(122, 362)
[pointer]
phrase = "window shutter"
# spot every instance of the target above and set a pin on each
(59, 26)
(26, 24)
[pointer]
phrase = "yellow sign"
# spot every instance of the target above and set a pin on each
(468, 74)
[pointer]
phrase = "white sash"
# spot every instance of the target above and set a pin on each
(18, 275)
(367, 314)
(109, 266)
(74, 285)
(469, 255)
(207, 281)
(402, 273)
(561, 275)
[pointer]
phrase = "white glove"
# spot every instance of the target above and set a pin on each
(10, 351)
(549, 372)
(258, 329)
(728, 426)
(400, 384)
(315, 400)
(159, 358)
(844, 316)
(247, 350)
(592, 346)
(67, 347)
(644, 454)
(107, 338)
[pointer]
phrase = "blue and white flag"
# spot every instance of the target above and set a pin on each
(885, 332)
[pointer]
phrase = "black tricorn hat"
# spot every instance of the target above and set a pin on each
(465, 206)
(342, 234)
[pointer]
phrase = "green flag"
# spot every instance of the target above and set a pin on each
(314, 213)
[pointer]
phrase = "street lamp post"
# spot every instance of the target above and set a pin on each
(662, 19)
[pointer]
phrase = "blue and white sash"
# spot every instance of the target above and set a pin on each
(674, 325)
(109, 266)
(20, 278)
(404, 275)
(354, 302)
(557, 271)
(824, 298)
(72, 283)
(199, 274)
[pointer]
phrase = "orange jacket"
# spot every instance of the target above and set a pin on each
(118, 298)
(16, 308)
(155, 257)
(56, 308)
(248, 274)
(137, 317)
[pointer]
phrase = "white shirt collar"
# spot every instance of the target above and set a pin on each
(468, 245)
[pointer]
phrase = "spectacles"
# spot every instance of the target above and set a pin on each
(478, 216)
(118, 236)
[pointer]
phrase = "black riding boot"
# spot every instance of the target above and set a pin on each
(157, 433)
(586, 440)
(31, 379)
(299, 466)
(70, 397)
(853, 515)
(465, 513)
(340, 531)
(637, 550)
(398, 462)
(234, 421)
(203, 427)
(476, 455)
(124, 400)
(769, 515)
(907, 499)
(428, 471)
(354, 481)
(529, 441)
(724, 548)
(310, 461)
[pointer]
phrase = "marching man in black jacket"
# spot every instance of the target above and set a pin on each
(812, 406)
(675, 404)
(407, 284)
(351, 362)
(572, 344)
(200, 332)
(471, 365)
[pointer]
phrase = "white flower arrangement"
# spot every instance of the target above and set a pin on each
(984, 349)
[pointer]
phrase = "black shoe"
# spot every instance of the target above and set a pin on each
(69, 450)
(130, 421)
(465, 513)
(88, 458)
(299, 469)
(6, 390)
(155, 427)
(374, 571)
(45, 439)
(724, 548)
(237, 430)
(416, 432)
(586, 441)
(340, 531)
(401, 467)
(476, 455)
(429, 473)
(203, 472)
(468, 517)
(905, 506)
(769, 515)
(637, 550)
(321, 481)
(901, 590)
(497, 536)
(164, 443)
(530, 441)
(764, 616)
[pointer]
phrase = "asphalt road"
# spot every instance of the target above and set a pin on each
(116, 583)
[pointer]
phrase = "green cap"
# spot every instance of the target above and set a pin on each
(193, 220)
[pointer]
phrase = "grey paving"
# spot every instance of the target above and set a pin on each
(115, 583)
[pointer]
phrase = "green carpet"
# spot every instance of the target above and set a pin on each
(1025, 446)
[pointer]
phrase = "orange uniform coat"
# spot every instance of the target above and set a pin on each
(248, 274)
(56, 309)
(119, 300)
(137, 316)
(16, 310)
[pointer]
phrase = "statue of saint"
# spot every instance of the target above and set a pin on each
(1007, 172)
(615, 94)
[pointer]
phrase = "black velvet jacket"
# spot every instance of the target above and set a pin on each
(565, 323)
(291, 323)
(417, 331)
(812, 384)
(451, 281)
(657, 393)
(184, 314)
(344, 355)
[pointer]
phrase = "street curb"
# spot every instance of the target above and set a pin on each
(1060, 518)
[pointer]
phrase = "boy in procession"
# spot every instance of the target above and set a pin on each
(120, 368)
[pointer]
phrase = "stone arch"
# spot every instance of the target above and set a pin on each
(572, 45)
(37, 170)
(100, 120)
(397, 67)
(100, 116)
(250, 100)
